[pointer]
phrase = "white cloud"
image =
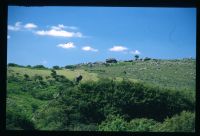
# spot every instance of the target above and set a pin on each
(30, 26)
(56, 31)
(16, 27)
(18, 24)
(59, 33)
(88, 48)
(118, 48)
(136, 52)
(57, 27)
(67, 45)
(8, 36)
(61, 26)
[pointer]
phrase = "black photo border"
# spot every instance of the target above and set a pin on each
(97, 3)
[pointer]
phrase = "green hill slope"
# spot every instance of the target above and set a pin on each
(152, 93)
(174, 74)
(70, 74)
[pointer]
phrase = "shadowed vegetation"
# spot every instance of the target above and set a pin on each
(106, 99)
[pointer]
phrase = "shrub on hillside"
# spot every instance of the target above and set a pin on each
(118, 123)
(137, 100)
(37, 78)
(53, 73)
(184, 122)
(52, 118)
(26, 77)
(111, 60)
(147, 58)
(70, 67)
(39, 67)
(94, 102)
(56, 67)
(114, 123)
(12, 65)
(28, 66)
(141, 125)
(13, 78)
(17, 120)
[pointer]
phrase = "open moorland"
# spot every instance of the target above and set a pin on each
(142, 95)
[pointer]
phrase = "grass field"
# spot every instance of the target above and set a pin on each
(70, 74)
(174, 74)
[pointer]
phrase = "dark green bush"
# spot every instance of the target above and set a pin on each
(114, 123)
(141, 125)
(184, 122)
(53, 73)
(28, 66)
(117, 123)
(115, 105)
(39, 67)
(13, 65)
(70, 67)
(16, 120)
(136, 100)
(37, 78)
(56, 67)
(26, 77)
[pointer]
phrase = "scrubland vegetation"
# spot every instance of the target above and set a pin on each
(144, 96)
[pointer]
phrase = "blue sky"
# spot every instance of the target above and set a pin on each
(70, 35)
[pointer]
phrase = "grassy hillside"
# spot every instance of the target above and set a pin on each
(157, 94)
(70, 74)
(174, 74)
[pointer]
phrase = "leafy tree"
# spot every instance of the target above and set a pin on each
(28, 66)
(56, 67)
(147, 58)
(39, 67)
(111, 60)
(136, 57)
(12, 65)
(70, 67)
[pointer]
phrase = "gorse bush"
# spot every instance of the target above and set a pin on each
(118, 123)
(105, 105)
(141, 125)
(114, 123)
(39, 67)
(135, 99)
(70, 67)
(17, 120)
(185, 122)
(18, 117)
(94, 102)
(56, 67)
(13, 65)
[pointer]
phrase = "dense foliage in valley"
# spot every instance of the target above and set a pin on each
(52, 100)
